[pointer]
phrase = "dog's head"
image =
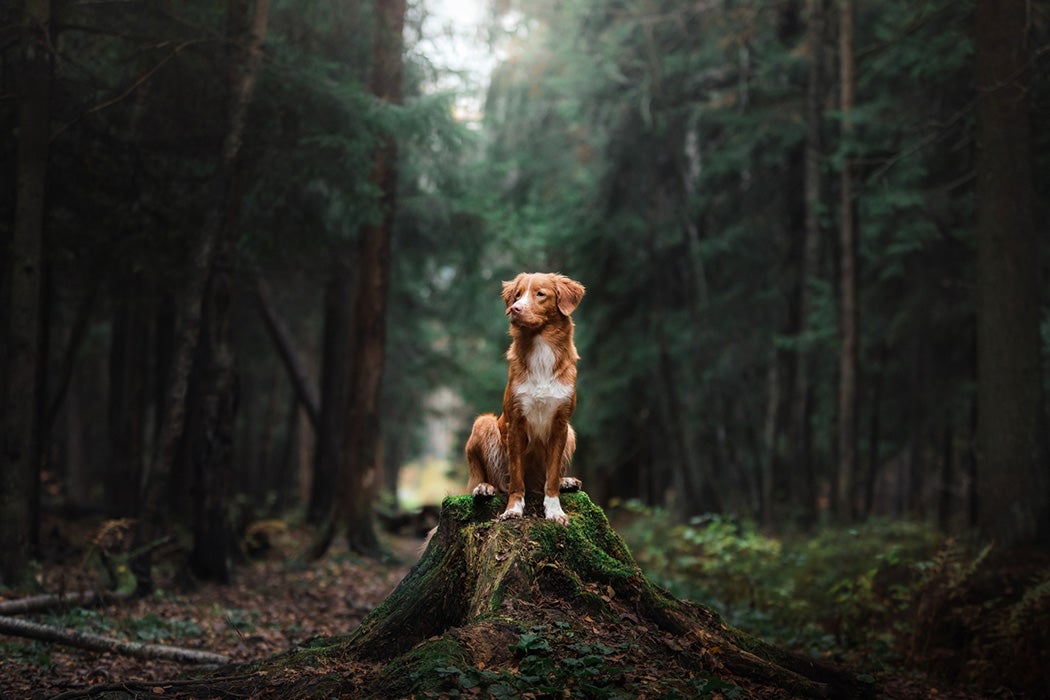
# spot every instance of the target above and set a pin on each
(535, 299)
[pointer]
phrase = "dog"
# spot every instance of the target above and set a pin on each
(531, 443)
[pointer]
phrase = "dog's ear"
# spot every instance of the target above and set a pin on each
(508, 290)
(569, 294)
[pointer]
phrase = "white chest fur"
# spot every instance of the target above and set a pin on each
(540, 393)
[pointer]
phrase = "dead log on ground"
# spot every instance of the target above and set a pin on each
(51, 601)
(94, 642)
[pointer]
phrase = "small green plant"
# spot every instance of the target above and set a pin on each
(153, 628)
(243, 621)
(31, 652)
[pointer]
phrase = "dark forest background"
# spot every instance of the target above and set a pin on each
(250, 251)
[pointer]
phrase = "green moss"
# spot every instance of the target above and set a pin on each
(311, 654)
(467, 509)
(415, 672)
(587, 545)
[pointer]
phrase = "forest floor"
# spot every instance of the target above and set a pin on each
(275, 603)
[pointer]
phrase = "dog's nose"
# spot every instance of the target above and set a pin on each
(516, 309)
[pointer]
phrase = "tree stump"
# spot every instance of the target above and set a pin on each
(529, 608)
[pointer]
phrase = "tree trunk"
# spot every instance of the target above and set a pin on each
(804, 482)
(19, 460)
(335, 387)
(875, 431)
(284, 469)
(359, 474)
(770, 434)
(212, 441)
(153, 518)
(849, 309)
(81, 322)
(505, 609)
(1014, 474)
(127, 399)
(944, 485)
(214, 543)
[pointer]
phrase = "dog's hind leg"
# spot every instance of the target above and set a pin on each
(486, 457)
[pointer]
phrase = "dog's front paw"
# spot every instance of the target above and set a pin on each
(484, 490)
(570, 483)
(561, 519)
(515, 508)
(552, 510)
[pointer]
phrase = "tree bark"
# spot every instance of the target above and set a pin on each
(1013, 471)
(19, 460)
(849, 309)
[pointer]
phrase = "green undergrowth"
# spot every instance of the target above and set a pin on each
(885, 595)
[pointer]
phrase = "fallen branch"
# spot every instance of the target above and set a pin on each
(94, 642)
(50, 601)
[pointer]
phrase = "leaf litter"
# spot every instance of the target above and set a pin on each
(274, 604)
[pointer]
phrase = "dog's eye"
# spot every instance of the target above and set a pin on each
(541, 294)
(517, 295)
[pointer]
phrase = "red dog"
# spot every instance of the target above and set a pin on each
(530, 444)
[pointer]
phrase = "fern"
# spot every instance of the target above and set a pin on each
(1032, 609)
(960, 575)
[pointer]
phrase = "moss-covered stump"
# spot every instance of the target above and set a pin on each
(530, 608)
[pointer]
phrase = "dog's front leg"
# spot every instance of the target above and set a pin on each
(516, 482)
(554, 482)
